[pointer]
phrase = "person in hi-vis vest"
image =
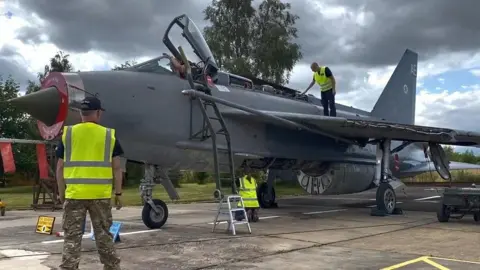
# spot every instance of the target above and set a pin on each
(88, 164)
(323, 76)
(247, 186)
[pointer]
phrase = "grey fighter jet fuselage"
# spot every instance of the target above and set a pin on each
(154, 121)
(155, 114)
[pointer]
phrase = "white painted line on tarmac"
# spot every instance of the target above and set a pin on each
(326, 211)
(261, 218)
(428, 198)
(371, 206)
(23, 259)
(315, 197)
(88, 236)
(144, 231)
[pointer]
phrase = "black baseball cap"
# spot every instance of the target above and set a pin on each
(91, 104)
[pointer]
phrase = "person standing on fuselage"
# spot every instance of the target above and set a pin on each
(323, 76)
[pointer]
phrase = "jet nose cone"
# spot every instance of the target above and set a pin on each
(42, 105)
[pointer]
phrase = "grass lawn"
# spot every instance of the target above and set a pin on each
(17, 198)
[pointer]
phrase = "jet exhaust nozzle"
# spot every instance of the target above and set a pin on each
(43, 105)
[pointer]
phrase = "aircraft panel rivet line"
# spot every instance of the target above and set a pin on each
(225, 208)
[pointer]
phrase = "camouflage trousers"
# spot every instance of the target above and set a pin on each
(74, 215)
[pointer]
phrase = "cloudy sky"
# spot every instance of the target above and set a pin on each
(360, 40)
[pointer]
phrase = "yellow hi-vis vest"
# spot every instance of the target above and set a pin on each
(248, 191)
(322, 80)
(87, 170)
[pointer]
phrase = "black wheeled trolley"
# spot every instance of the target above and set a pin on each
(459, 201)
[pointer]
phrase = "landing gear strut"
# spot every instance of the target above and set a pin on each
(155, 211)
(386, 197)
(266, 192)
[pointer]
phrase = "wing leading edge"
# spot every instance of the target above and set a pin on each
(353, 129)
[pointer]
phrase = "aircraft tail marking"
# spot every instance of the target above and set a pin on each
(397, 101)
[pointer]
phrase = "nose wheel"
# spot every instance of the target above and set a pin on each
(155, 218)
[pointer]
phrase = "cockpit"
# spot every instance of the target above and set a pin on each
(159, 64)
(198, 53)
(201, 61)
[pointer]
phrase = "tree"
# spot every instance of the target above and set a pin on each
(58, 63)
(450, 152)
(249, 42)
(275, 53)
(469, 157)
(32, 87)
(230, 35)
(201, 177)
(16, 124)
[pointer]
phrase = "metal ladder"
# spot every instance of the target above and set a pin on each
(208, 131)
(225, 208)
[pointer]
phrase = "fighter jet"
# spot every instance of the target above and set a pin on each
(211, 120)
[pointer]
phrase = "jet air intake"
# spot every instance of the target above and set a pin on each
(49, 105)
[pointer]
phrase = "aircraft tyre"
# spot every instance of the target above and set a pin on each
(151, 219)
(476, 216)
(386, 198)
(443, 214)
(264, 200)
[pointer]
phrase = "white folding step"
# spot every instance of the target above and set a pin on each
(225, 209)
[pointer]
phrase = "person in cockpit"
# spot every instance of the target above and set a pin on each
(176, 66)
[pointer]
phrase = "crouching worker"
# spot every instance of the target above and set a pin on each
(248, 192)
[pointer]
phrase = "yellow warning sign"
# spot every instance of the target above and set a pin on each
(45, 225)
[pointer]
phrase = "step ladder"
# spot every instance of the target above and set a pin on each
(208, 131)
(225, 209)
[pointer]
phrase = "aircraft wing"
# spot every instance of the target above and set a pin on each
(453, 166)
(354, 129)
(350, 130)
(463, 166)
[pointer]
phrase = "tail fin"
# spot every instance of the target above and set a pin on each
(397, 101)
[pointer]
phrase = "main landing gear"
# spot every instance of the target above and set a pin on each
(155, 211)
(266, 192)
(386, 198)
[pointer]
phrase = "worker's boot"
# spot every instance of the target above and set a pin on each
(249, 214)
(255, 217)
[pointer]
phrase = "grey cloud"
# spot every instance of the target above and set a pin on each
(429, 27)
(9, 66)
(462, 118)
(19, 73)
(30, 35)
(128, 29)
(124, 28)
(7, 50)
